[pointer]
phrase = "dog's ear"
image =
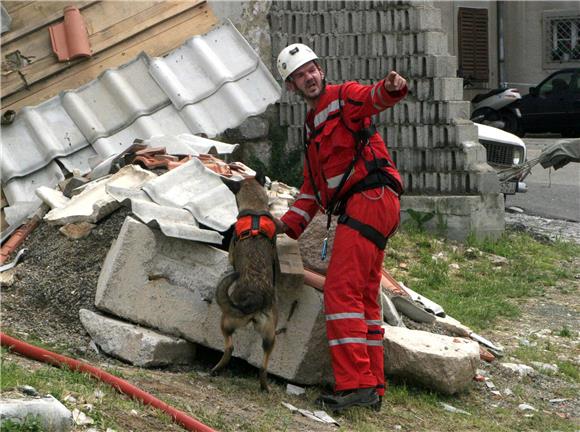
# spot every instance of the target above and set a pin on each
(261, 178)
(232, 185)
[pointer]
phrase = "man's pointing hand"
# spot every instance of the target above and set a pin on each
(394, 82)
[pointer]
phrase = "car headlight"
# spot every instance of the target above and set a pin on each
(518, 156)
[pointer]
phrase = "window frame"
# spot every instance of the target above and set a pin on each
(551, 41)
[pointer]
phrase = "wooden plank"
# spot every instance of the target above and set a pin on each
(13, 6)
(21, 32)
(132, 24)
(37, 11)
(155, 41)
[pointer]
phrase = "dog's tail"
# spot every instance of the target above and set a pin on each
(222, 296)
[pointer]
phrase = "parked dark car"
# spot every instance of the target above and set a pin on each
(552, 106)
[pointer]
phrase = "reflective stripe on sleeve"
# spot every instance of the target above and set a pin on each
(374, 322)
(344, 315)
(323, 115)
(302, 213)
(306, 196)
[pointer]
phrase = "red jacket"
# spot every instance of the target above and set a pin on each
(331, 146)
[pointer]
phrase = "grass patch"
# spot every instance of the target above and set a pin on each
(490, 274)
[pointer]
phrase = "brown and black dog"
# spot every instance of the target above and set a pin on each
(248, 293)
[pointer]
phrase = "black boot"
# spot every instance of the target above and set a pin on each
(366, 397)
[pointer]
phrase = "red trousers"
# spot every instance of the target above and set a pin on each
(351, 293)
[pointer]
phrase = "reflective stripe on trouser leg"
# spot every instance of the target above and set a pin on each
(346, 281)
(374, 322)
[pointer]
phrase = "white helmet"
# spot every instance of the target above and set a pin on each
(292, 57)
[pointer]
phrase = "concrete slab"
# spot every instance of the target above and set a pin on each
(169, 284)
(134, 344)
(52, 415)
(443, 363)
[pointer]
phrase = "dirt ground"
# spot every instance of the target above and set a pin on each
(59, 276)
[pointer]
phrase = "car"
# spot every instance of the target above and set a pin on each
(552, 106)
(506, 153)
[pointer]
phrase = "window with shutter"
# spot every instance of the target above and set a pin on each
(473, 55)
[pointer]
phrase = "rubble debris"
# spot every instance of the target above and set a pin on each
(199, 191)
(136, 345)
(452, 409)
(172, 221)
(427, 304)
(77, 231)
(390, 313)
(545, 367)
(52, 197)
(95, 203)
(181, 276)
(521, 369)
(53, 415)
(294, 390)
(81, 419)
(440, 362)
(526, 407)
(412, 309)
(319, 416)
(20, 255)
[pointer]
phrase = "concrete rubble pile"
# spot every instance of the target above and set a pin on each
(155, 293)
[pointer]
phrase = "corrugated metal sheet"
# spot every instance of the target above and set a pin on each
(211, 83)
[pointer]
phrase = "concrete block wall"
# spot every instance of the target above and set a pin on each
(434, 145)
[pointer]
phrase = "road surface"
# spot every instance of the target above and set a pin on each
(553, 194)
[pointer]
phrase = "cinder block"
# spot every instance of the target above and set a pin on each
(169, 284)
(425, 18)
(431, 42)
(465, 131)
(134, 344)
(448, 89)
(441, 66)
(482, 215)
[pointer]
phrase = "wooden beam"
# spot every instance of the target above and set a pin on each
(155, 41)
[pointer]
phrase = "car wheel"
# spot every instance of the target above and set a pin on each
(512, 123)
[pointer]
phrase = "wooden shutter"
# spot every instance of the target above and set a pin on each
(473, 43)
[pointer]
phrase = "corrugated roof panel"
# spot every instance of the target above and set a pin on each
(212, 83)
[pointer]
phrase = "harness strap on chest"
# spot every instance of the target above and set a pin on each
(253, 225)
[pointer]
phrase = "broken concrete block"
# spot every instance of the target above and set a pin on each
(134, 344)
(291, 268)
(77, 231)
(95, 203)
(52, 415)
(70, 186)
(169, 284)
(443, 363)
(452, 325)
(52, 197)
(311, 244)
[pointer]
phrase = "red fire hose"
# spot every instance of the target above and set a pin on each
(120, 385)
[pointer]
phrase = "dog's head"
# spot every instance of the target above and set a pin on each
(250, 193)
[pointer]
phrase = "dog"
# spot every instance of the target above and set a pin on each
(248, 293)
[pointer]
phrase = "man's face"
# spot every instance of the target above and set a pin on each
(307, 80)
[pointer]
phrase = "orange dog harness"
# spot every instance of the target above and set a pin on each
(252, 225)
